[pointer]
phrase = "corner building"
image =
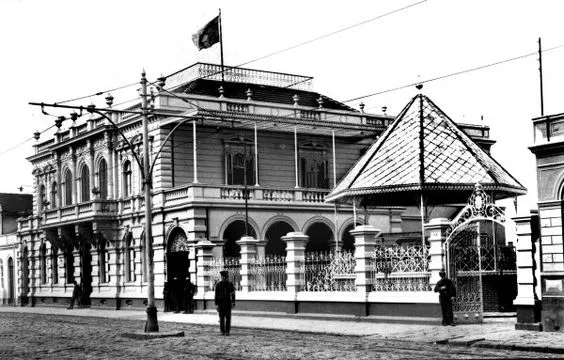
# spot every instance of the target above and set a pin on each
(262, 133)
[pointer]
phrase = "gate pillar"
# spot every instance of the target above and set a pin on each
(526, 303)
(295, 258)
(437, 229)
(205, 255)
(364, 244)
(248, 253)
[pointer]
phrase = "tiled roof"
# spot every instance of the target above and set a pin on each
(264, 93)
(449, 161)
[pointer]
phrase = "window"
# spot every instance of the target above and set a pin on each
(314, 169)
(41, 199)
(69, 265)
(54, 265)
(1, 274)
(68, 187)
(126, 177)
(103, 179)
(54, 195)
(129, 258)
(239, 161)
(43, 262)
(103, 258)
(85, 184)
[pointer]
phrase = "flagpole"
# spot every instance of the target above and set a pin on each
(221, 48)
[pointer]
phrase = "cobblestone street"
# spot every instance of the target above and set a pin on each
(37, 336)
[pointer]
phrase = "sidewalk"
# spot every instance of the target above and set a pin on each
(493, 333)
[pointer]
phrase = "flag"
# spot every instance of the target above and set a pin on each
(208, 35)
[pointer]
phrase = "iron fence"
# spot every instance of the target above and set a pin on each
(400, 268)
(233, 267)
(329, 272)
(268, 274)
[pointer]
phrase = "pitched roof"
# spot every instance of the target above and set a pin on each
(424, 151)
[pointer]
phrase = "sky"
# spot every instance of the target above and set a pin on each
(59, 50)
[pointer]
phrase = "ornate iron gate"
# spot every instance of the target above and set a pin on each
(465, 271)
(467, 256)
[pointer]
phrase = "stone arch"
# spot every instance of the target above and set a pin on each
(234, 231)
(252, 225)
(321, 237)
(558, 192)
(177, 240)
(275, 229)
(278, 218)
(346, 240)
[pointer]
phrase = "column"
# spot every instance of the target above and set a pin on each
(364, 244)
(195, 151)
(295, 258)
(248, 253)
(437, 229)
(205, 254)
(526, 302)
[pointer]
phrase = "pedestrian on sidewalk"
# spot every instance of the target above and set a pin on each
(447, 293)
(189, 290)
(224, 302)
(76, 293)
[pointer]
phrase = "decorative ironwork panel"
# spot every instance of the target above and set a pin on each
(268, 274)
(231, 265)
(399, 268)
(465, 271)
(179, 243)
(329, 272)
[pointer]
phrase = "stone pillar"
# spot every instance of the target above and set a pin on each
(364, 243)
(295, 257)
(205, 255)
(248, 253)
(437, 230)
(526, 303)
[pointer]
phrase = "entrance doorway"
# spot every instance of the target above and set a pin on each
(11, 294)
(178, 269)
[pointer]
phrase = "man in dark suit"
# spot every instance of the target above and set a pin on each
(76, 294)
(447, 293)
(224, 302)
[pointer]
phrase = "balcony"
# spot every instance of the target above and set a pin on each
(234, 194)
(90, 210)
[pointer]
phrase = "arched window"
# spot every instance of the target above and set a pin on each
(41, 199)
(103, 179)
(54, 195)
(1, 274)
(43, 263)
(126, 177)
(54, 265)
(68, 187)
(240, 162)
(129, 258)
(85, 184)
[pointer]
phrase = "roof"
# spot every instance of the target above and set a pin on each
(265, 93)
(14, 203)
(424, 151)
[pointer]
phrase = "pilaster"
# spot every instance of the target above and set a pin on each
(438, 234)
(295, 258)
(248, 253)
(364, 244)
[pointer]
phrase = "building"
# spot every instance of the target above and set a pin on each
(259, 133)
(12, 207)
(548, 148)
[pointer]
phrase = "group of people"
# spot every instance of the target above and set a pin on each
(181, 295)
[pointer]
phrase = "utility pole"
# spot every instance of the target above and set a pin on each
(540, 76)
(152, 324)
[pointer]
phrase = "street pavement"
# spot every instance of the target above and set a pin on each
(494, 333)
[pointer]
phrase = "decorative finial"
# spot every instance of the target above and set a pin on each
(109, 100)
(161, 81)
(361, 106)
(384, 109)
(59, 122)
(419, 86)
(320, 101)
(221, 91)
(36, 135)
(296, 98)
(249, 93)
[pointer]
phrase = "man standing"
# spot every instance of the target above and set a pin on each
(76, 293)
(189, 290)
(224, 302)
(447, 293)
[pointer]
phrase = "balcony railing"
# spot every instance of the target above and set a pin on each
(80, 211)
(227, 193)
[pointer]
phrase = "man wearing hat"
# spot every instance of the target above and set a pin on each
(224, 302)
(447, 292)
